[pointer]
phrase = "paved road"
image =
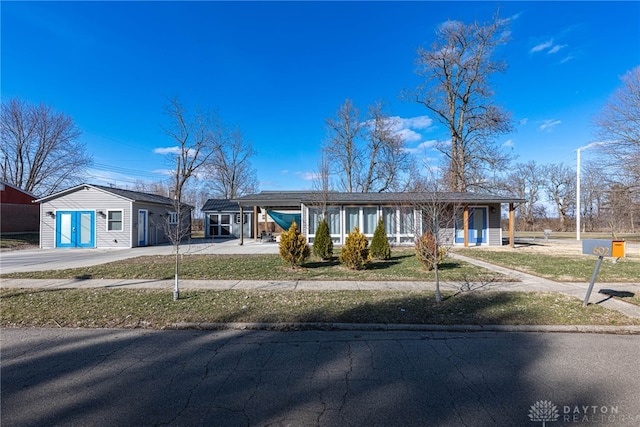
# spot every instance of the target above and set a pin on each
(87, 377)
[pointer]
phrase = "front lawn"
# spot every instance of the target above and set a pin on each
(112, 308)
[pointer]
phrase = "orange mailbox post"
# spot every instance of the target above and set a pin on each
(602, 248)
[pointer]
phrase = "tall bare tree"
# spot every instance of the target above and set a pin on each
(342, 144)
(230, 173)
(619, 125)
(456, 72)
(367, 156)
(387, 161)
(40, 148)
(196, 145)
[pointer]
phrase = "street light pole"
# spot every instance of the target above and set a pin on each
(578, 197)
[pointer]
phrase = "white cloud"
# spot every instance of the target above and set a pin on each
(549, 46)
(284, 172)
(509, 143)
(308, 176)
(167, 150)
(418, 122)
(423, 146)
(556, 48)
(524, 121)
(548, 125)
(164, 172)
(542, 46)
(409, 135)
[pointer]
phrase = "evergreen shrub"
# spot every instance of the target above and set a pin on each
(293, 246)
(380, 244)
(355, 252)
(322, 243)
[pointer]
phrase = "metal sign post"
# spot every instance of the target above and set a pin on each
(601, 248)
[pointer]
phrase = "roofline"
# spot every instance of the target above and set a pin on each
(101, 189)
(279, 199)
(19, 189)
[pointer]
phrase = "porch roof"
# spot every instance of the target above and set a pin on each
(296, 198)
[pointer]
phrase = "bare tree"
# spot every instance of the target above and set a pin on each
(561, 189)
(40, 148)
(342, 144)
(592, 196)
(195, 147)
(527, 182)
(619, 124)
(229, 172)
(456, 72)
(368, 156)
(321, 184)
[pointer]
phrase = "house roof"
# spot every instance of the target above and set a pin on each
(134, 196)
(220, 205)
(295, 198)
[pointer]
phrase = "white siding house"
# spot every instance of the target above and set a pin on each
(94, 216)
(467, 219)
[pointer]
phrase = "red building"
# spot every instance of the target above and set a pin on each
(18, 213)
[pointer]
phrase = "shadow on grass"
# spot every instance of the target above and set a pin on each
(468, 308)
(321, 264)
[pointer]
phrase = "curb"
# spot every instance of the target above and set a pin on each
(285, 327)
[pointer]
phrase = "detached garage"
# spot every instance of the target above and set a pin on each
(95, 216)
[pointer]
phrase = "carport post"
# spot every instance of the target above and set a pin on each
(241, 226)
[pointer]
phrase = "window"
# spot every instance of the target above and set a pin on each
(114, 220)
(173, 217)
(315, 215)
(369, 220)
(389, 218)
(351, 217)
(333, 218)
(406, 222)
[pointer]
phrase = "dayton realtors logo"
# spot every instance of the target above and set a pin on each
(545, 411)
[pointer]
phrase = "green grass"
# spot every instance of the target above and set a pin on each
(571, 235)
(403, 265)
(108, 308)
(19, 241)
(578, 268)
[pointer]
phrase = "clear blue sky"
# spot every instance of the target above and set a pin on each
(279, 69)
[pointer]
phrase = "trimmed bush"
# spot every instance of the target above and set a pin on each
(355, 253)
(426, 251)
(379, 244)
(293, 246)
(322, 244)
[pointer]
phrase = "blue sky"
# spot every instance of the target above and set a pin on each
(279, 69)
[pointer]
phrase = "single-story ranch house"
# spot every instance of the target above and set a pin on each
(475, 217)
(95, 216)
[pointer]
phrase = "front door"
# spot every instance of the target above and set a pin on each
(476, 226)
(75, 229)
(142, 227)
